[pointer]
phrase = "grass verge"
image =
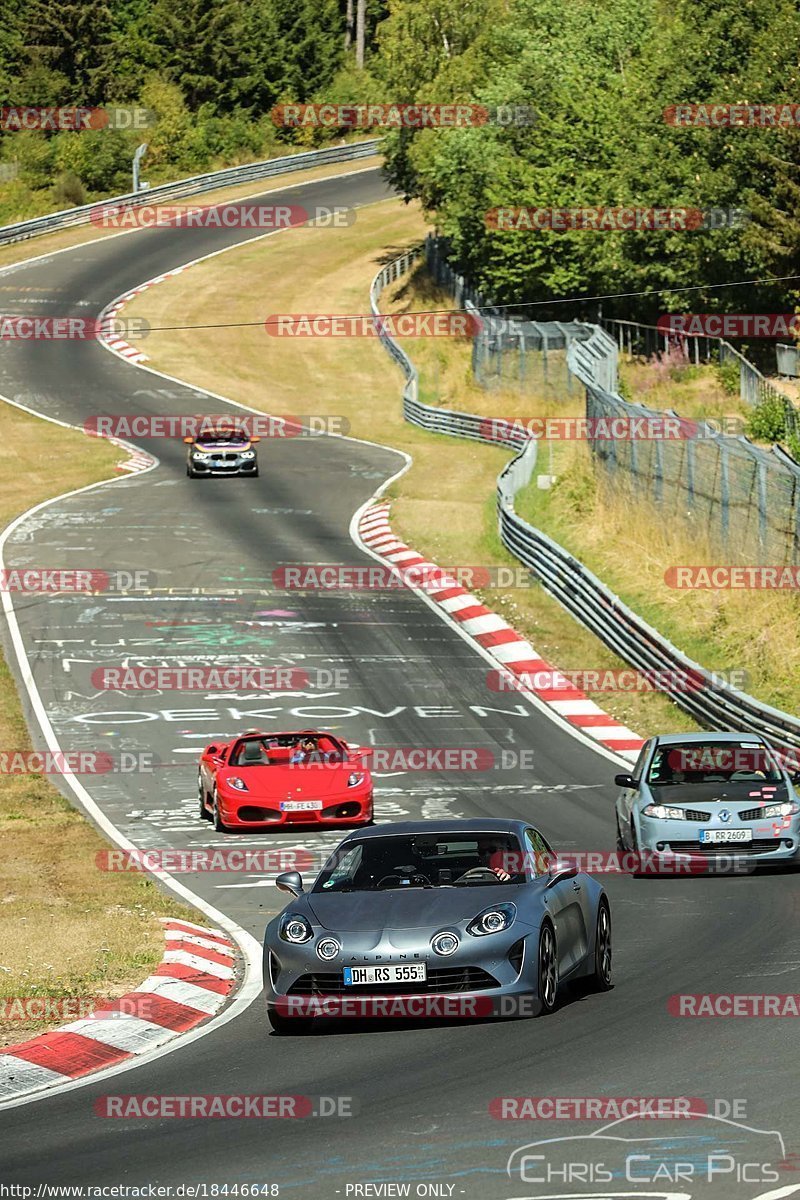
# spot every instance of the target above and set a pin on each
(68, 929)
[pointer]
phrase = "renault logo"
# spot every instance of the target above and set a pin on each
(724, 815)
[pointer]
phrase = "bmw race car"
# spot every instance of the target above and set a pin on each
(707, 795)
(476, 912)
(222, 451)
(262, 780)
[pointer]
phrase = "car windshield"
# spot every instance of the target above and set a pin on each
(212, 437)
(287, 750)
(712, 762)
(423, 861)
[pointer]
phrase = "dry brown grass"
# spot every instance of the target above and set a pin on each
(67, 929)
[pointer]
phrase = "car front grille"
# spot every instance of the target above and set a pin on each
(751, 814)
(224, 457)
(440, 979)
(757, 846)
(695, 814)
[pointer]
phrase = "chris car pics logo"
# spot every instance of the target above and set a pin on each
(715, 1157)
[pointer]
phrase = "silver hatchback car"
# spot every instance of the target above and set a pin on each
(709, 796)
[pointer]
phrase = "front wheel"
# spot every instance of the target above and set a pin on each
(601, 975)
(219, 824)
(548, 970)
(205, 815)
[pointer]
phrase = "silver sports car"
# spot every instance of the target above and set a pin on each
(472, 918)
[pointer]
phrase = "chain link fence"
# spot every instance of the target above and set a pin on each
(746, 498)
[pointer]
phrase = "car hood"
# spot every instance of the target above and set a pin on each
(414, 908)
(204, 447)
(283, 783)
(694, 794)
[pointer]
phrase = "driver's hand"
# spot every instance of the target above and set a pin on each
(502, 875)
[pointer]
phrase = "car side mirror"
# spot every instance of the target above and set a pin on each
(291, 882)
(560, 872)
(626, 781)
(255, 439)
(794, 776)
(188, 441)
(212, 749)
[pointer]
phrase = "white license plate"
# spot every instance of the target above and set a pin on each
(726, 835)
(403, 973)
(301, 805)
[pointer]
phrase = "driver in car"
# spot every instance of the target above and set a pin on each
(490, 858)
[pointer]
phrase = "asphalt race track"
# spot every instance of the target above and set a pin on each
(420, 1094)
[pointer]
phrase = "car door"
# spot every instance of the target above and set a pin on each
(628, 796)
(565, 901)
(212, 759)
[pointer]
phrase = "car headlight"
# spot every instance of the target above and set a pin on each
(328, 948)
(200, 454)
(444, 943)
(237, 782)
(663, 812)
(355, 779)
(780, 810)
(493, 920)
(294, 928)
(248, 454)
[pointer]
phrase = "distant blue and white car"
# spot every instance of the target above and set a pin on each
(708, 795)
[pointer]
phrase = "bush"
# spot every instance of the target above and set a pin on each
(68, 191)
(767, 422)
(728, 376)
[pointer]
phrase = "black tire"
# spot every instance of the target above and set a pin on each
(219, 824)
(255, 473)
(601, 976)
(283, 1025)
(547, 970)
(205, 815)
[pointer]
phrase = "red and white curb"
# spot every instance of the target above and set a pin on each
(191, 984)
(117, 344)
(137, 460)
(494, 635)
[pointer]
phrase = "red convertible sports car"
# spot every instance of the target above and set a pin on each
(261, 780)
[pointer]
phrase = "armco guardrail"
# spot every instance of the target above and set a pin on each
(711, 701)
(190, 187)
